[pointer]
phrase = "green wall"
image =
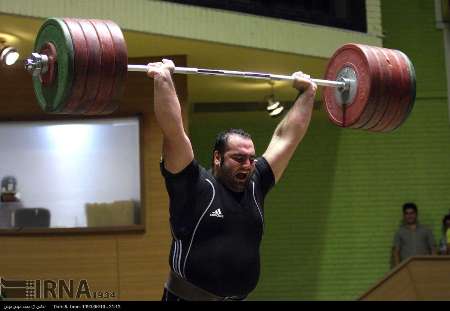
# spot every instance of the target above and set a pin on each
(331, 219)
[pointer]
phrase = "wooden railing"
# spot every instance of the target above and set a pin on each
(417, 278)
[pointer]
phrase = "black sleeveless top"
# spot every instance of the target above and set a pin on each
(217, 232)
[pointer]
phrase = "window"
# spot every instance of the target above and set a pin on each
(75, 173)
(346, 14)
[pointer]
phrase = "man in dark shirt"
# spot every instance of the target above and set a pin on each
(217, 216)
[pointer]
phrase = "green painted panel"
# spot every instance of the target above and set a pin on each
(331, 219)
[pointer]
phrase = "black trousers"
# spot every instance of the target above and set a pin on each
(168, 296)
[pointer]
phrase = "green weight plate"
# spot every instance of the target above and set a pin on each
(52, 98)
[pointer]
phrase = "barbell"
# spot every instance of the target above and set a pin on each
(80, 66)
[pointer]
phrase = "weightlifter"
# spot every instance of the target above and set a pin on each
(217, 215)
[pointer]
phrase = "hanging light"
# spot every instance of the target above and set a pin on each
(273, 106)
(8, 55)
(272, 103)
(276, 112)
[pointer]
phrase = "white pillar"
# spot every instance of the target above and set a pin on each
(443, 22)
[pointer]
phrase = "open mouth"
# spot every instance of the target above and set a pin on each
(241, 176)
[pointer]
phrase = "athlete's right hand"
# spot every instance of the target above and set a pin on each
(161, 70)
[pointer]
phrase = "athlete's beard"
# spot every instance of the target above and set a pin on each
(226, 176)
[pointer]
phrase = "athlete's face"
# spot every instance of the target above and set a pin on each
(238, 162)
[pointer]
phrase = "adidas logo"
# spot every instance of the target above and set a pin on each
(217, 213)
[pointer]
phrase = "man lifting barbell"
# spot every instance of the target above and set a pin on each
(217, 216)
(79, 67)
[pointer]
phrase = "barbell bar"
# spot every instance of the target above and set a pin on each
(242, 74)
(38, 64)
(80, 65)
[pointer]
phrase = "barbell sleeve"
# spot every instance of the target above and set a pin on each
(240, 74)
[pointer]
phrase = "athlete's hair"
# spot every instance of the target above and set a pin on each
(222, 141)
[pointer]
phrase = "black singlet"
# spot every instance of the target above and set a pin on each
(216, 232)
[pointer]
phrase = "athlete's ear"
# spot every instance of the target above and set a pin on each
(217, 157)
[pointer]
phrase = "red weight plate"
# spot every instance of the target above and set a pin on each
(350, 55)
(376, 87)
(396, 107)
(121, 61)
(395, 94)
(395, 101)
(107, 68)
(412, 92)
(404, 103)
(80, 66)
(93, 76)
(387, 87)
(49, 49)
